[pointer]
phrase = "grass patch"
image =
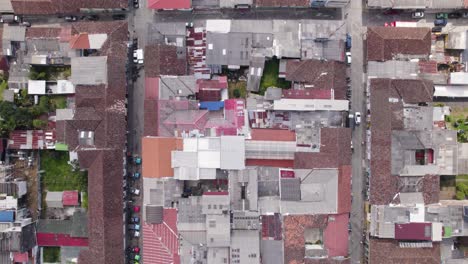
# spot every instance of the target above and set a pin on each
(3, 87)
(59, 175)
(270, 77)
(58, 102)
(84, 203)
(458, 120)
(241, 86)
(51, 254)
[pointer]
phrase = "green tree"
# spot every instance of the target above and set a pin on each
(38, 123)
(460, 195)
(44, 104)
(34, 75)
(12, 117)
(236, 93)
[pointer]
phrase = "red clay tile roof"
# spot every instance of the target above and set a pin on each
(293, 233)
(151, 123)
(43, 32)
(271, 227)
(335, 150)
(388, 251)
(102, 109)
(344, 189)
(279, 3)
(386, 117)
(321, 74)
(169, 4)
(270, 163)
(80, 41)
(49, 7)
(105, 206)
(383, 43)
(273, 134)
(307, 94)
(151, 88)
(162, 60)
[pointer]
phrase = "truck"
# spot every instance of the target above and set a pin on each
(138, 56)
(402, 24)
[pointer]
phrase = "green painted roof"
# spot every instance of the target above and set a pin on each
(61, 147)
(447, 231)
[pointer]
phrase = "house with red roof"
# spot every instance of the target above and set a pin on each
(170, 4)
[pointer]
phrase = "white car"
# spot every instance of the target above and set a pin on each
(136, 234)
(358, 118)
(348, 57)
(138, 56)
(417, 14)
(135, 191)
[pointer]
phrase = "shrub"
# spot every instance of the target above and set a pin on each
(236, 93)
(460, 195)
(38, 123)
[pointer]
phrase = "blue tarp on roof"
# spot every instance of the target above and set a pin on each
(7, 216)
(212, 106)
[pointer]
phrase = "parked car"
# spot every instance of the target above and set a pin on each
(455, 15)
(348, 41)
(134, 227)
(465, 14)
(91, 17)
(137, 160)
(417, 14)
(136, 233)
(357, 118)
(390, 12)
(136, 209)
(9, 18)
(348, 57)
(136, 4)
(442, 22)
(71, 18)
(134, 220)
(441, 16)
(25, 24)
(136, 175)
(133, 249)
(351, 120)
(436, 29)
(135, 191)
(118, 17)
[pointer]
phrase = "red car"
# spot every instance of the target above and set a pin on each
(136, 209)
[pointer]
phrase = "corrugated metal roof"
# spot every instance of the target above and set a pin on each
(154, 214)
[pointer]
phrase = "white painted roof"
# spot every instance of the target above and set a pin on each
(36, 87)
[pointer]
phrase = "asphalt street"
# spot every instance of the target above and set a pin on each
(274, 13)
(353, 14)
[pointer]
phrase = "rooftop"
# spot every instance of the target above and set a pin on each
(156, 156)
(316, 74)
(387, 43)
(49, 7)
(164, 60)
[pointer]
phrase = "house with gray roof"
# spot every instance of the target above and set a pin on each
(89, 70)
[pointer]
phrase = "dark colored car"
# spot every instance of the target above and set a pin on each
(436, 29)
(134, 220)
(136, 3)
(441, 15)
(348, 41)
(91, 17)
(441, 22)
(454, 15)
(119, 17)
(390, 12)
